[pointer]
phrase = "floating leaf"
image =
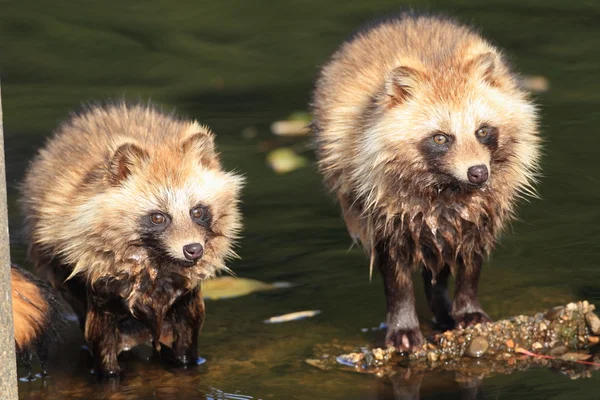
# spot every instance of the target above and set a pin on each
(284, 160)
(575, 357)
(297, 124)
(290, 128)
(292, 316)
(535, 83)
(227, 287)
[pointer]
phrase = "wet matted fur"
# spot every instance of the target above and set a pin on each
(427, 140)
(127, 209)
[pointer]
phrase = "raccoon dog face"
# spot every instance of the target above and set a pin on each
(467, 126)
(179, 206)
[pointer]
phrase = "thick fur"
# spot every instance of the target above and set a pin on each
(38, 316)
(377, 105)
(88, 198)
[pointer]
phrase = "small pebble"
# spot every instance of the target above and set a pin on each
(510, 344)
(537, 346)
(378, 354)
(593, 339)
(432, 356)
(477, 347)
(543, 326)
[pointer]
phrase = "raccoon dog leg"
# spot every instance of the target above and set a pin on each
(436, 290)
(403, 323)
(466, 310)
(187, 317)
(102, 336)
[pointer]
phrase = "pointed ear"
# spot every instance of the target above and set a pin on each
(485, 65)
(124, 160)
(400, 83)
(203, 146)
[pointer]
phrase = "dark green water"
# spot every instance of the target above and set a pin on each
(238, 64)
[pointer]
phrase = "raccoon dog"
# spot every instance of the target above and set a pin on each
(427, 140)
(126, 210)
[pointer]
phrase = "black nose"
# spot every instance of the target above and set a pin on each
(193, 251)
(478, 174)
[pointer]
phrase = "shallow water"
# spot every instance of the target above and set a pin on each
(241, 64)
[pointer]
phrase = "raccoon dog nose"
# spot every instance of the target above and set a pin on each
(478, 174)
(193, 251)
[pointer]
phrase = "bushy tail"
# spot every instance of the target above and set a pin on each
(39, 317)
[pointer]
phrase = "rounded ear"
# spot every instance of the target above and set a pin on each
(486, 66)
(202, 145)
(401, 82)
(124, 160)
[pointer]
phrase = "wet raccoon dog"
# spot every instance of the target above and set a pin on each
(426, 138)
(127, 210)
(38, 316)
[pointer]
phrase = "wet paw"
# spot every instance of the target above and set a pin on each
(404, 340)
(180, 360)
(469, 319)
(185, 360)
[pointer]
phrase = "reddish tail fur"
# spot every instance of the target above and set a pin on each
(36, 314)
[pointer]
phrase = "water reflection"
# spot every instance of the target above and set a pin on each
(407, 386)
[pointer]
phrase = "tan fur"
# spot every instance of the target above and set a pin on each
(391, 87)
(30, 310)
(76, 213)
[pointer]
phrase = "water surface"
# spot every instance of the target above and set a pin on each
(240, 64)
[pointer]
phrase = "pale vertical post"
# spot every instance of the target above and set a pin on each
(8, 359)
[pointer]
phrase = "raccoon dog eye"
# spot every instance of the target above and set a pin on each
(200, 215)
(440, 139)
(158, 218)
(483, 132)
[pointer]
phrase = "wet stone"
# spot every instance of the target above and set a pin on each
(369, 360)
(558, 351)
(477, 347)
(554, 313)
(593, 322)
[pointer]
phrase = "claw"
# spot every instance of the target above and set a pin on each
(470, 319)
(405, 340)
